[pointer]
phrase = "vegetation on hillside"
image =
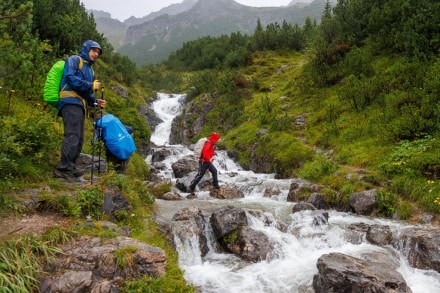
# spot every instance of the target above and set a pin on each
(364, 82)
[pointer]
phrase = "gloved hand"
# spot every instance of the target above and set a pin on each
(96, 85)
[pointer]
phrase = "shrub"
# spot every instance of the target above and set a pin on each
(404, 210)
(24, 143)
(386, 202)
(90, 202)
(318, 168)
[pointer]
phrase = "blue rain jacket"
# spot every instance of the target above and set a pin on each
(78, 80)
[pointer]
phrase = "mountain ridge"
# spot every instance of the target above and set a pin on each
(153, 40)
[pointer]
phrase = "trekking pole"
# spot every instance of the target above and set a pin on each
(100, 133)
(93, 142)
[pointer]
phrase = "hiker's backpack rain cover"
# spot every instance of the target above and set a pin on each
(116, 137)
(51, 91)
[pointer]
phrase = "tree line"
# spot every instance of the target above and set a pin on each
(36, 33)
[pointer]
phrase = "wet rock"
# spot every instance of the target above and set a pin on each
(160, 155)
(189, 223)
(342, 273)
(193, 119)
(364, 202)
(302, 206)
(226, 193)
(318, 201)
(184, 166)
(227, 219)
(114, 202)
(150, 116)
(271, 192)
(259, 163)
(250, 245)
(379, 235)
(421, 248)
(356, 233)
(321, 219)
(171, 195)
(183, 183)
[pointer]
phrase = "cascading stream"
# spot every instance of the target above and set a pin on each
(293, 264)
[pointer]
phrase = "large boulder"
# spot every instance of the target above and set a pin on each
(227, 219)
(184, 166)
(342, 273)
(188, 224)
(89, 263)
(364, 202)
(318, 201)
(249, 244)
(421, 247)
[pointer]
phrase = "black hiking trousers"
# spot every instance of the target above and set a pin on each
(203, 167)
(74, 121)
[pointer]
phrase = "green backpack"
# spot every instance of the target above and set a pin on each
(51, 91)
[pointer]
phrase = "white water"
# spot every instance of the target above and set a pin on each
(294, 264)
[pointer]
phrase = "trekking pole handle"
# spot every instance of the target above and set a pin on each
(102, 94)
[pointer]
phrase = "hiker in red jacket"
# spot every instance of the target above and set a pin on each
(205, 163)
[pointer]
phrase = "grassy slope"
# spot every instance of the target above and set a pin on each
(335, 143)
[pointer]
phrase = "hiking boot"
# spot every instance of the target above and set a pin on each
(191, 195)
(64, 174)
(77, 172)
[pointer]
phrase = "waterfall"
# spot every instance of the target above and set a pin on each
(293, 264)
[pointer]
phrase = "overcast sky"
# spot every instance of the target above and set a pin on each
(123, 9)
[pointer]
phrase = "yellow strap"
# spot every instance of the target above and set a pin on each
(70, 94)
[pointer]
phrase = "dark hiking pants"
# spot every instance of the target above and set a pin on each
(73, 119)
(203, 167)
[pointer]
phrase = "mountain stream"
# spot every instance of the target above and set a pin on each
(294, 266)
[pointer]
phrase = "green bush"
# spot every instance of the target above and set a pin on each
(137, 168)
(25, 142)
(405, 210)
(386, 203)
(90, 202)
(414, 158)
(318, 168)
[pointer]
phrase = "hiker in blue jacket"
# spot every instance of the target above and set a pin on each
(76, 93)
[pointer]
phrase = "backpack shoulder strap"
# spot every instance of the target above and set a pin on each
(81, 62)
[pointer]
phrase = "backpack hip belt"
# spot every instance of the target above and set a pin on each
(70, 94)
